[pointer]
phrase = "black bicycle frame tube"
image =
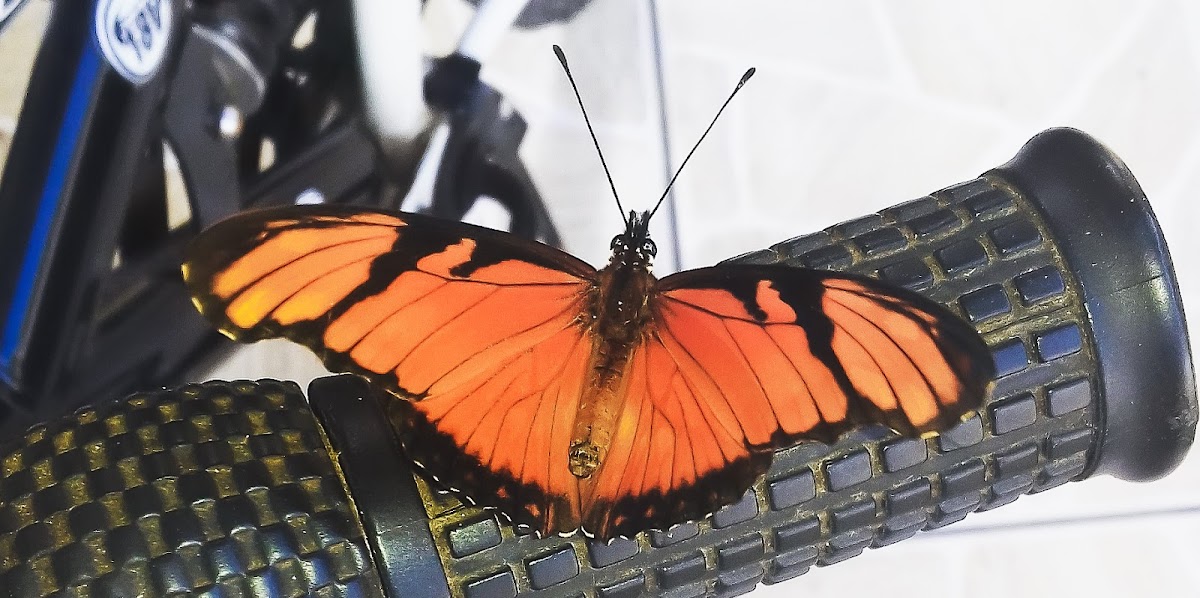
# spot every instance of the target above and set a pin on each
(81, 135)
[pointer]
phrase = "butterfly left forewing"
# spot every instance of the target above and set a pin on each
(258, 273)
(384, 295)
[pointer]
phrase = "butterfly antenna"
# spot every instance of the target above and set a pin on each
(745, 77)
(562, 59)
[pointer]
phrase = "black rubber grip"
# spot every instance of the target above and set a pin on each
(220, 489)
(234, 487)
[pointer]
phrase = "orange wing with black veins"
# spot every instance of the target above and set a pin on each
(481, 329)
(741, 360)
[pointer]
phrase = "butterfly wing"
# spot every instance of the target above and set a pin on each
(487, 334)
(480, 329)
(741, 360)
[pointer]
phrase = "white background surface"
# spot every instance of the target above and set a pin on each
(858, 105)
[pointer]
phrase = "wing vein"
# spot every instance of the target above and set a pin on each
(871, 356)
(475, 429)
(299, 257)
(709, 311)
(711, 380)
(515, 285)
(511, 359)
(422, 342)
(901, 309)
(753, 372)
(316, 280)
(398, 310)
(924, 379)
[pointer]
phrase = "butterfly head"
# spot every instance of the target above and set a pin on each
(634, 246)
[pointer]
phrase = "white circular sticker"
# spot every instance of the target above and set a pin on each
(133, 35)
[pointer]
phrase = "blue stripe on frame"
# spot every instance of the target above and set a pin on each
(78, 103)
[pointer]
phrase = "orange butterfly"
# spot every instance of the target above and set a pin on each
(574, 398)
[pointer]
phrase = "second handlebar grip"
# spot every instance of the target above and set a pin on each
(1064, 317)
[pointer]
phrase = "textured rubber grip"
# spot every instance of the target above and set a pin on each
(224, 488)
(1014, 253)
(219, 489)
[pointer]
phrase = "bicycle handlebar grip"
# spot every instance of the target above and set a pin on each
(243, 487)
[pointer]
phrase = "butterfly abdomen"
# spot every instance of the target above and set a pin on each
(621, 318)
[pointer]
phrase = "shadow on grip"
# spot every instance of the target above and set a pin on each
(236, 488)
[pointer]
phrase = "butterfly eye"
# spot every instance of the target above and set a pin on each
(616, 243)
(649, 248)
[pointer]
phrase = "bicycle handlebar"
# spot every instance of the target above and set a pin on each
(246, 487)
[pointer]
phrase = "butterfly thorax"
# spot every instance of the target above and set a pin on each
(619, 306)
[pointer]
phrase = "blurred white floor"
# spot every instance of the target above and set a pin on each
(858, 105)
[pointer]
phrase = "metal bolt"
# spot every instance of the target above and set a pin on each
(230, 122)
(310, 196)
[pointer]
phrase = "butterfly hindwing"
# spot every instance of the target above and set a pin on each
(878, 353)
(741, 360)
(505, 443)
(677, 454)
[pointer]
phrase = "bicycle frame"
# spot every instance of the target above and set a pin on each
(88, 262)
(55, 193)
